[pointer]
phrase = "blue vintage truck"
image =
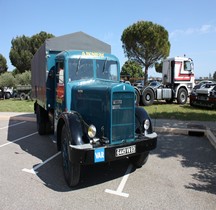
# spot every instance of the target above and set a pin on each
(79, 97)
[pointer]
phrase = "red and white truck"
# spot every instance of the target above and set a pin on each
(177, 82)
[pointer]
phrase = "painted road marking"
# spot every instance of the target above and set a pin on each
(18, 139)
(34, 169)
(122, 184)
(12, 125)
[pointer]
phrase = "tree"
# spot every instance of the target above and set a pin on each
(38, 39)
(20, 54)
(131, 69)
(23, 48)
(3, 64)
(214, 76)
(145, 43)
(23, 78)
(7, 80)
(158, 66)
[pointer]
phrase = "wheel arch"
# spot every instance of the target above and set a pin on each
(75, 127)
(148, 88)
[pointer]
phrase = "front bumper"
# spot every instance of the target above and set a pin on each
(209, 102)
(88, 154)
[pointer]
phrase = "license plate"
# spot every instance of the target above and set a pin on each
(125, 151)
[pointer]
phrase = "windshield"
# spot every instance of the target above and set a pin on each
(188, 66)
(106, 69)
(80, 68)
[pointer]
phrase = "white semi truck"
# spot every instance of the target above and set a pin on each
(177, 83)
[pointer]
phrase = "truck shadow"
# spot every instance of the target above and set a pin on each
(195, 152)
(51, 173)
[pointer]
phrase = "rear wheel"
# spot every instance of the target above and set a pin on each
(137, 99)
(139, 160)
(71, 170)
(41, 120)
(23, 96)
(148, 97)
(7, 95)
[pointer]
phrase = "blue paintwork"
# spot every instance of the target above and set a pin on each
(94, 99)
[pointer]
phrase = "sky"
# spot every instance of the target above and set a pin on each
(191, 24)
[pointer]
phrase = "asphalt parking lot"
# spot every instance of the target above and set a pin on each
(179, 174)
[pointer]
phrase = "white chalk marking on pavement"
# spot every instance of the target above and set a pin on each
(18, 139)
(12, 125)
(122, 184)
(34, 169)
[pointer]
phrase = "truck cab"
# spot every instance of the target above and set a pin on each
(92, 114)
(177, 82)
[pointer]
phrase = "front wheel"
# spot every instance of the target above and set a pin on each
(139, 160)
(71, 170)
(182, 96)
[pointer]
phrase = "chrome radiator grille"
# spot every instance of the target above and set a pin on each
(123, 117)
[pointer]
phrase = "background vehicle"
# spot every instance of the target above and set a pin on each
(23, 92)
(201, 84)
(6, 92)
(177, 80)
(79, 97)
(205, 96)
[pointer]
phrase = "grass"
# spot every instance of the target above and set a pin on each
(159, 110)
(162, 110)
(16, 105)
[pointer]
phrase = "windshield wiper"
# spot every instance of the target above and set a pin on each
(78, 64)
(104, 66)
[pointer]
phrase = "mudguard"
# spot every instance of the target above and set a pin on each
(141, 115)
(74, 126)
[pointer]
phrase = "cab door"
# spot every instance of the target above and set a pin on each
(60, 89)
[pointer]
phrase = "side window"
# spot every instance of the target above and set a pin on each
(60, 72)
(187, 66)
(113, 72)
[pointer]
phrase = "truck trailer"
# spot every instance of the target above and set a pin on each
(177, 83)
(79, 97)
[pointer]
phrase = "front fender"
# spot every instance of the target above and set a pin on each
(141, 115)
(74, 126)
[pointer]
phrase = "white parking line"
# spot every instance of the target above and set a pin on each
(33, 170)
(12, 125)
(122, 184)
(18, 139)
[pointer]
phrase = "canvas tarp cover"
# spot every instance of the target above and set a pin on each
(74, 41)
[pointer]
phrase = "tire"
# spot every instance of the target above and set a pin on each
(139, 160)
(71, 171)
(148, 97)
(22, 96)
(182, 96)
(41, 122)
(7, 95)
(137, 99)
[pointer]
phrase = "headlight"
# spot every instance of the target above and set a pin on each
(92, 131)
(146, 124)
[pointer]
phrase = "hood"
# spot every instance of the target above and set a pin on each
(105, 104)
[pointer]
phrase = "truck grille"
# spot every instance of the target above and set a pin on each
(123, 117)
